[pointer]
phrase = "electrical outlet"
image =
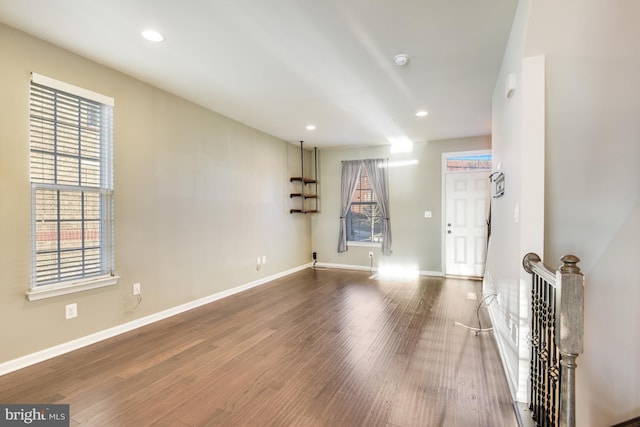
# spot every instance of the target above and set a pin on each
(370, 254)
(264, 259)
(136, 288)
(258, 261)
(71, 310)
(314, 255)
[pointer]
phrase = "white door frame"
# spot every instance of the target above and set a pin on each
(443, 203)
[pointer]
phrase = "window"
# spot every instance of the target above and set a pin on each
(364, 220)
(468, 162)
(71, 158)
(364, 208)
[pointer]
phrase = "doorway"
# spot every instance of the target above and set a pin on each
(466, 195)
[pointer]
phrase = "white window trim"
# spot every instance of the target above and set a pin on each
(64, 288)
(86, 283)
(73, 90)
(365, 244)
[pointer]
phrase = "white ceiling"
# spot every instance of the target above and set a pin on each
(278, 65)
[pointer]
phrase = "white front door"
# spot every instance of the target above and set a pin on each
(467, 196)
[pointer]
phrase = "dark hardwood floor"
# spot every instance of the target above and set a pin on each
(316, 348)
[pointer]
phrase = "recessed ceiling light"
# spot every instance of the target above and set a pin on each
(311, 127)
(422, 113)
(152, 35)
(401, 59)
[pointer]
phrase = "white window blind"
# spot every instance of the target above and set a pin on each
(71, 158)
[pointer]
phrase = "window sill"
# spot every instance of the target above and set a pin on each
(365, 244)
(63, 288)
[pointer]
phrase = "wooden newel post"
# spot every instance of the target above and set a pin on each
(569, 332)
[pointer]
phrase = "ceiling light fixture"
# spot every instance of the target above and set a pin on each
(152, 35)
(422, 113)
(311, 127)
(401, 59)
(401, 145)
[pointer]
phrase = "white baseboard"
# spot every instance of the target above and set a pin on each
(432, 273)
(346, 266)
(523, 414)
(48, 353)
(513, 387)
(373, 270)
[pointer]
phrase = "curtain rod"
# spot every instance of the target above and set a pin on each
(362, 160)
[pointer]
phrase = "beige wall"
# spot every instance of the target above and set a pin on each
(198, 197)
(593, 187)
(592, 182)
(413, 189)
(504, 275)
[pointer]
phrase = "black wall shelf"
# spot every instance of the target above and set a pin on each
(308, 186)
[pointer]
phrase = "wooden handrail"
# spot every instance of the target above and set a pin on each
(532, 264)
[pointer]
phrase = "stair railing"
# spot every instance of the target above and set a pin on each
(557, 331)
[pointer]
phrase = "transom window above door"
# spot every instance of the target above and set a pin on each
(471, 162)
